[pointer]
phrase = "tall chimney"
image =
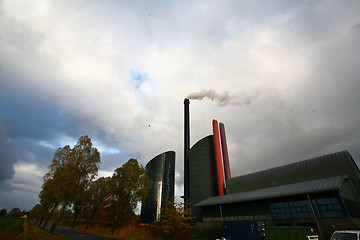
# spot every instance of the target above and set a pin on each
(219, 166)
(224, 151)
(186, 148)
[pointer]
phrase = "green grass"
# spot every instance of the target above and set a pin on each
(32, 232)
(19, 229)
(10, 227)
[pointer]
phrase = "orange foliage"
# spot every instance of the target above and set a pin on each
(175, 220)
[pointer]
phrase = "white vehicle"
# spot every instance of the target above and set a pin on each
(313, 237)
(346, 235)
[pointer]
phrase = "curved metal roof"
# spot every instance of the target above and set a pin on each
(314, 186)
(332, 165)
(161, 157)
(202, 140)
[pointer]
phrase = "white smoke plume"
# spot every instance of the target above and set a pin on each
(224, 98)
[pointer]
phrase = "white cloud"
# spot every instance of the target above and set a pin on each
(103, 173)
(28, 177)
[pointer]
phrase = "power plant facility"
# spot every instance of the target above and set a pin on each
(321, 194)
(203, 165)
(315, 197)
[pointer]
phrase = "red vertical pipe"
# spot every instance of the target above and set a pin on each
(219, 167)
(224, 151)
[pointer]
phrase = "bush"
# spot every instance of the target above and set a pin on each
(140, 231)
(3, 212)
(175, 220)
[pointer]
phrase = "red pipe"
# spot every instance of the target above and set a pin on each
(219, 167)
(224, 151)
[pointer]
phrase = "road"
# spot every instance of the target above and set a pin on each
(76, 235)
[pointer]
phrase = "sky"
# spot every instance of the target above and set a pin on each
(283, 76)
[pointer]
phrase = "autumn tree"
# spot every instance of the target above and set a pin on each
(98, 190)
(129, 185)
(37, 212)
(175, 219)
(64, 177)
(80, 201)
(48, 200)
(70, 171)
(52, 193)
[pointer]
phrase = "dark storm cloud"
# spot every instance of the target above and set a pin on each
(31, 115)
(7, 154)
(30, 128)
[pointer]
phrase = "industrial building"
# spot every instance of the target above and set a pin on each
(322, 192)
(161, 171)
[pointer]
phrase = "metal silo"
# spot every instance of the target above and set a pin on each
(202, 173)
(161, 171)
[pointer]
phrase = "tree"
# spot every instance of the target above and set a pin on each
(48, 199)
(80, 202)
(3, 212)
(129, 185)
(36, 212)
(87, 161)
(15, 212)
(70, 171)
(59, 184)
(175, 219)
(98, 190)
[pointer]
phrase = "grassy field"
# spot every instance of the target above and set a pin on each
(19, 229)
(127, 232)
(133, 231)
(10, 228)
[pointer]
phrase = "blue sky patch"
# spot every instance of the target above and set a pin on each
(138, 77)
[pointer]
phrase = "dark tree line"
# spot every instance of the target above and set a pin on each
(70, 189)
(15, 213)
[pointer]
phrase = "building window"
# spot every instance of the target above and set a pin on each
(327, 207)
(301, 209)
(280, 210)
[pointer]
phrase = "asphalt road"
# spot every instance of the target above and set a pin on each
(76, 235)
